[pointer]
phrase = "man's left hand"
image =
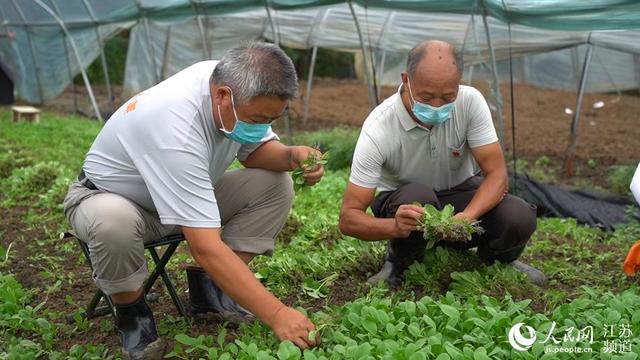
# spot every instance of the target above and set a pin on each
(311, 175)
(464, 215)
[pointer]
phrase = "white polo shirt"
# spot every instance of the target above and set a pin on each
(162, 150)
(393, 150)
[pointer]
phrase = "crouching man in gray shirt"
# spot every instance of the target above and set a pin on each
(158, 167)
(428, 143)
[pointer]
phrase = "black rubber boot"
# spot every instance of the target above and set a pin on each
(401, 253)
(205, 296)
(138, 333)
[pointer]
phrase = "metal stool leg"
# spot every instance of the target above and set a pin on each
(160, 264)
(92, 309)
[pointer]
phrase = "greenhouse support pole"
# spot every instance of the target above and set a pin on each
(312, 67)
(636, 68)
(372, 92)
(276, 40)
(152, 53)
(85, 78)
(274, 33)
(387, 23)
(383, 58)
(472, 26)
(203, 36)
(103, 58)
(145, 24)
(105, 69)
(571, 149)
(166, 56)
(524, 63)
(496, 82)
(32, 48)
(575, 65)
(73, 84)
(66, 52)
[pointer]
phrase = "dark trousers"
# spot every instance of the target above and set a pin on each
(508, 226)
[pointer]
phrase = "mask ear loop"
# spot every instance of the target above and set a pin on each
(223, 129)
(413, 101)
(233, 104)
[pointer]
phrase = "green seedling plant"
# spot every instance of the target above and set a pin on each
(450, 306)
(439, 225)
(311, 162)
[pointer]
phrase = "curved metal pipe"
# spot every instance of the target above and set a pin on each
(85, 78)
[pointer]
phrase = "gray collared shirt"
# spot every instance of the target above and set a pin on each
(393, 150)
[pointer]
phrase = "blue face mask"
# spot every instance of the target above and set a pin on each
(243, 132)
(430, 115)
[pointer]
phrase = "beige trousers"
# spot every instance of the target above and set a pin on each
(253, 203)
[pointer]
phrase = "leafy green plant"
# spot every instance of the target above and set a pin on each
(26, 183)
(4, 254)
(317, 288)
(11, 159)
(543, 161)
(467, 313)
(311, 162)
(442, 225)
(339, 141)
(620, 178)
(18, 319)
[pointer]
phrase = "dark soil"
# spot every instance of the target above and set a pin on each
(289, 230)
(350, 285)
(609, 135)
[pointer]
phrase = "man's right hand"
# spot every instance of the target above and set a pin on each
(233, 276)
(290, 324)
(406, 220)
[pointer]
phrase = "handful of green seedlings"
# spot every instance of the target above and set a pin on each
(441, 225)
(311, 162)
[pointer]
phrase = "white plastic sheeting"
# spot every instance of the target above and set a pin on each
(544, 57)
(169, 35)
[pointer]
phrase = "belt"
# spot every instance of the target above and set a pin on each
(84, 180)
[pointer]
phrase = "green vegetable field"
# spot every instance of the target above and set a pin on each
(450, 306)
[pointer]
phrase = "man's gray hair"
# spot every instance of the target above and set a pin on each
(257, 69)
(419, 51)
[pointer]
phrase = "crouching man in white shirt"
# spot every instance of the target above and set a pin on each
(433, 142)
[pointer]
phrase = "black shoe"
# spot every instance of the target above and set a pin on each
(138, 333)
(390, 273)
(400, 255)
(534, 275)
(206, 297)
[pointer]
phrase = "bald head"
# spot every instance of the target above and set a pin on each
(434, 70)
(434, 56)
